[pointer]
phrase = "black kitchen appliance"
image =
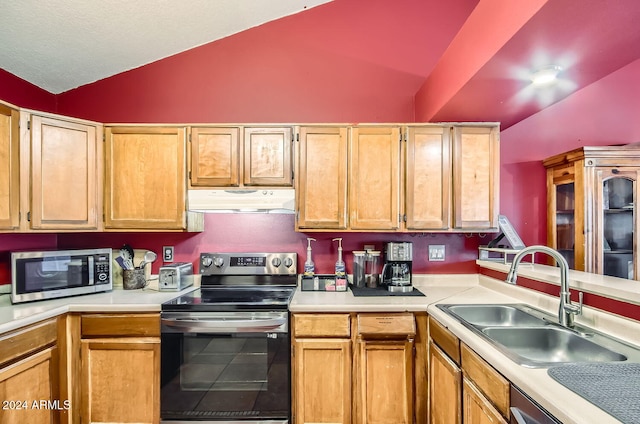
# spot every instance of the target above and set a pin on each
(396, 272)
(226, 346)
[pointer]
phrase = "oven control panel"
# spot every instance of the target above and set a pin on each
(248, 263)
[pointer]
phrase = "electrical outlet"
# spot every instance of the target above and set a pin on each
(167, 254)
(436, 252)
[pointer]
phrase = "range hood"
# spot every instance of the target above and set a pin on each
(242, 200)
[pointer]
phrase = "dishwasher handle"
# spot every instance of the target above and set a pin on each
(212, 325)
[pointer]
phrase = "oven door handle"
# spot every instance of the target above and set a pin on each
(213, 325)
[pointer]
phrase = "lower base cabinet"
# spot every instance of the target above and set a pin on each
(463, 388)
(29, 372)
(358, 368)
(120, 371)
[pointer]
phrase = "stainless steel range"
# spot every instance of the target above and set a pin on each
(226, 346)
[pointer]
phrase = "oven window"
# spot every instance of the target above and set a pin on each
(232, 376)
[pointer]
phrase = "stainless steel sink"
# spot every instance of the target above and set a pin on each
(540, 346)
(495, 315)
(532, 338)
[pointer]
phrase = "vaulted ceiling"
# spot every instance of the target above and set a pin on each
(468, 59)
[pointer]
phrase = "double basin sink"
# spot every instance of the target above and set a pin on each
(532, 338)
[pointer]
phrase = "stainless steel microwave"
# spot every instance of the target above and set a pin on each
(59, 273)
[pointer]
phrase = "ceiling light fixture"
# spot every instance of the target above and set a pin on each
(546, 75)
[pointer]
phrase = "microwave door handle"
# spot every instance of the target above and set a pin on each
(92, 270)
(223, 326)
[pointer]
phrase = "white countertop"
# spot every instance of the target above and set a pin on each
(117, 300)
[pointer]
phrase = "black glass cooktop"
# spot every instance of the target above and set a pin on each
(231, 299)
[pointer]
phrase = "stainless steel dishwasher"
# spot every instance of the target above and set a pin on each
(525, 410)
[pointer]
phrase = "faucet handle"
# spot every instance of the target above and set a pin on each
(575, 309)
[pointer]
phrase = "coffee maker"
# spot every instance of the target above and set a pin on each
(396, 272)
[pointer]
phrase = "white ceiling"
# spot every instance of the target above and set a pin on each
(63, 44)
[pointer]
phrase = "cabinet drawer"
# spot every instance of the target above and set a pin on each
(99, 325)
(490, 382)
(19, 343)
(322, 325)
(445, 339)
(400, 325)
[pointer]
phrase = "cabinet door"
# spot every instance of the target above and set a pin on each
(385, 382)
(31, 380)
(322, 178)
(374, 178)
(616, 222)
(9, 168)
(64, 174)
(120, 380)
(428, 187)
(145, 180)
(322, 381)
(267, 156)
(476, 408)
(565, 221)
(445, 391)
(214, 157)
(476, 183)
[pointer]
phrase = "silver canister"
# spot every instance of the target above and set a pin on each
(359, 260)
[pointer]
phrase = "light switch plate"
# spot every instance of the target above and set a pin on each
(436, 252)
(167, 254)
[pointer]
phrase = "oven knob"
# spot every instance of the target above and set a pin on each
(207, 261)
(288, 262)
(276, 262)
(218, 261)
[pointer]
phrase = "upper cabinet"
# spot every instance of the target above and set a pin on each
(9, 168)
(215, 157)
(428, 178)
(230, 156)
(591, 217)
(476, 177)
(431, 177)
(374, 178)
(60, 173)
(145, 178)
(321, 183)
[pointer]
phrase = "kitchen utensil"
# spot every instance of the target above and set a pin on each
(148, 258)
(127, 258)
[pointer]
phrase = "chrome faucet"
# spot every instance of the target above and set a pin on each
(567, 310)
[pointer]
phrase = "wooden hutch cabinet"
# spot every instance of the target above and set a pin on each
(591, 217)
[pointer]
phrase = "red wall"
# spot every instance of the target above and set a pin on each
(24, 94)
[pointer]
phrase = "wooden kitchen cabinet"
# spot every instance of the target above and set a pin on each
(215, 156)
(374, 178)
(29, 373)
(9, 168)
(61, 161)
(476, 177)
(477, 409)
(428, 178)
(120, 368)
(321, 185)
(385, 368)
(359, 368)
(591, 215)
(145, 178)
(268, 156)
(238, 156)
(463, 388)
(321, 368)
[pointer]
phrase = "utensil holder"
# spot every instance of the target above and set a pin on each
(133, 279)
